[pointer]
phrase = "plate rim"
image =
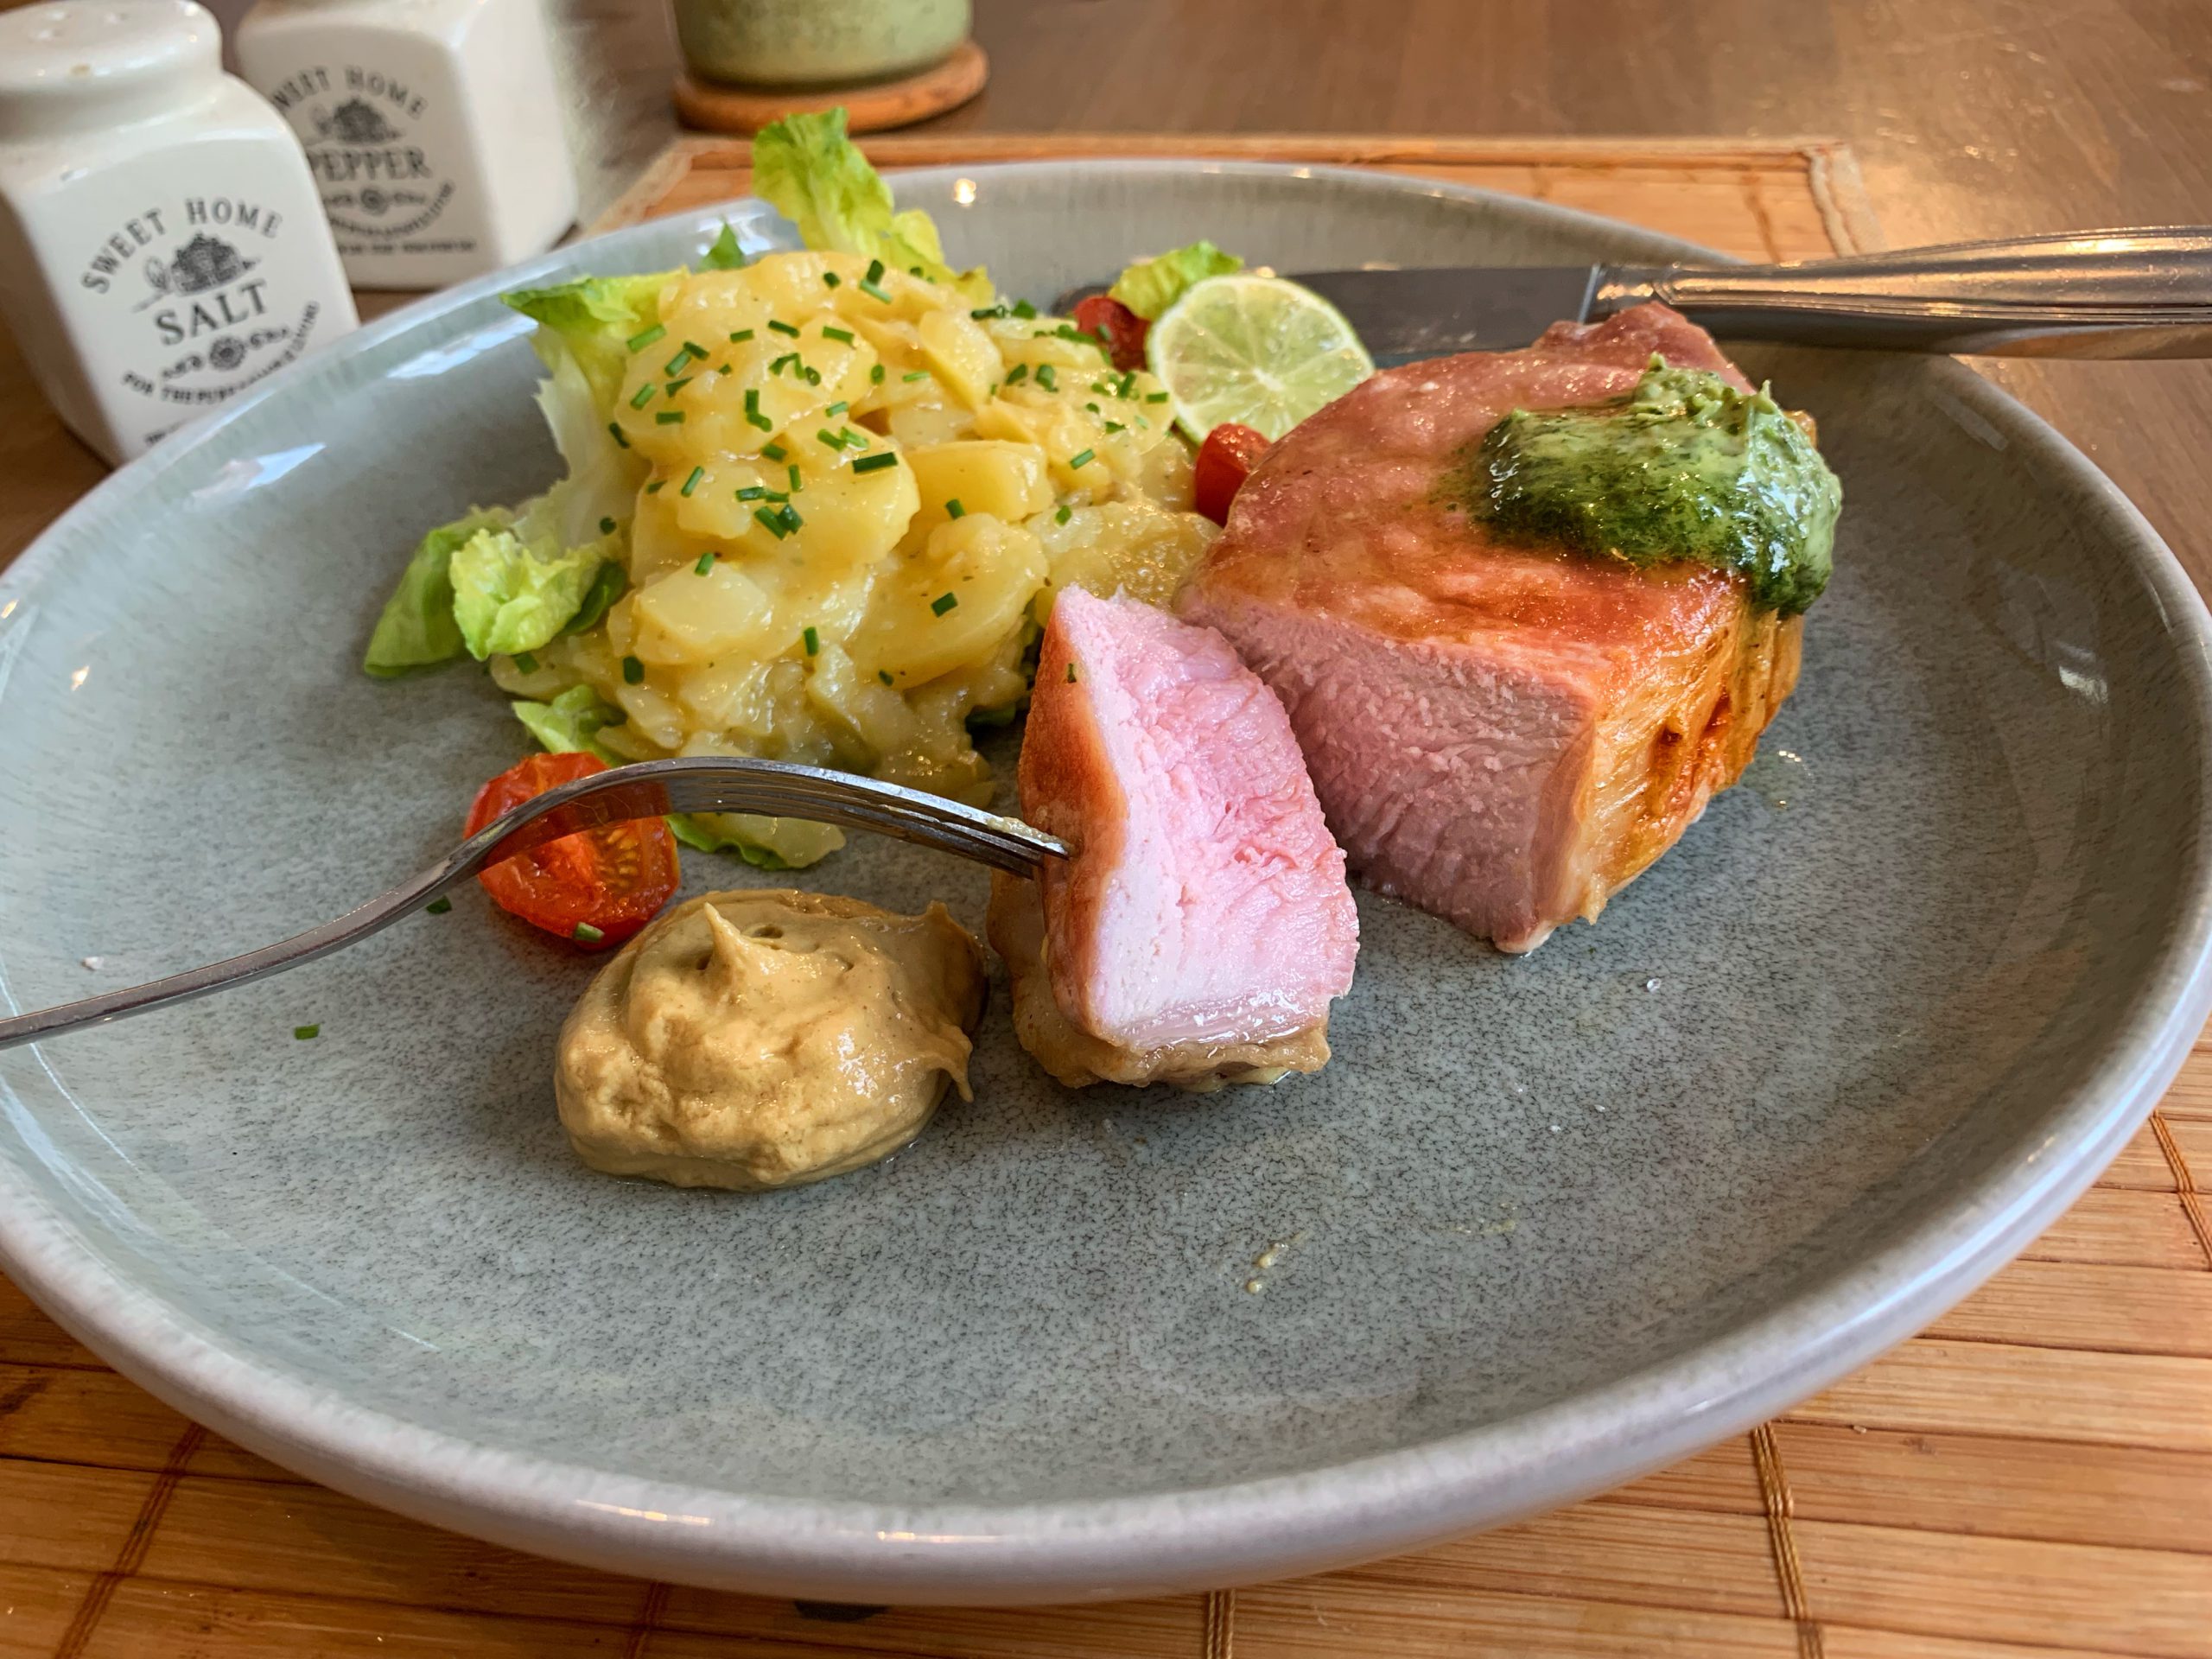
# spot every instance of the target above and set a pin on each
(1197, 1538)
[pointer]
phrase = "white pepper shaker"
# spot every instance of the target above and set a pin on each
(434, 128)
(162, 248)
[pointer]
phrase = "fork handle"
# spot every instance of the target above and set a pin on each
(2093, 293)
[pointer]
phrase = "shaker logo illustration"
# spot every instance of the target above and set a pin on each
(377, 180)
(209, 294)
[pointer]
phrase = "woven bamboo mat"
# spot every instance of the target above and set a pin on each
(2031, 1479)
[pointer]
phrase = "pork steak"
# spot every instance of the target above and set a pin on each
(1504, 735)
(1203, 925)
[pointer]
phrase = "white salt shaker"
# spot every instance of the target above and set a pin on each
(162, 248)
(434, 128)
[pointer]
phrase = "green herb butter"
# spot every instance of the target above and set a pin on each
(1685, 468)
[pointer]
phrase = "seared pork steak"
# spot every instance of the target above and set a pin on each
(1502, 734)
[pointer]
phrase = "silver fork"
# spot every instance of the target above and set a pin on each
(647, 790)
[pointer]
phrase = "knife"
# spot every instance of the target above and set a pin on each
(2095, 293)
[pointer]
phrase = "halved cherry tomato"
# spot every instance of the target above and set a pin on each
(1122, 329)
(1230, 452)
(597, 887)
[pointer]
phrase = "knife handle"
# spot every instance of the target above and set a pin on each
(2099, 294)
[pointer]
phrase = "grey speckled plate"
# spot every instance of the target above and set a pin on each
(1544, 1223)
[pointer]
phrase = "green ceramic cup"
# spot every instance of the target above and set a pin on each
(816, 42)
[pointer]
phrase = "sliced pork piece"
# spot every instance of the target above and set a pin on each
(1503, 735)
(1203, 925)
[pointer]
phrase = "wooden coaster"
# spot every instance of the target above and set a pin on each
(869, 108)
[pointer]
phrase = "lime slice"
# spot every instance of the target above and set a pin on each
(1256, 350)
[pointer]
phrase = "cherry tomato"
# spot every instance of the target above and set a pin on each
(1230, 452)
(1123, 329)
(597, 887)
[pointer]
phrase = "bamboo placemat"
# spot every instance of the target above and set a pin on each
(2031, 1479)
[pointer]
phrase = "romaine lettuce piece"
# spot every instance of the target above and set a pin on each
(806, 168)
(417, 630)
(572, 722)
(512, 594)
(1150, 286)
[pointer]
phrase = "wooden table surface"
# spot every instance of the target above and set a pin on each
(1970, 117)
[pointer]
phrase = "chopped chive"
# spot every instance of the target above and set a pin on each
(853, 440)
(696, 349)
(789, 514)
(706, 564)
(1047, 377)
(614, 429)
(984, 313)
(1018, 372)
(875, 375)
(1115, 426)
(524, 663)
(831, 279)
(1155, 397)
(741, 336)
(813, 375)
(306, 1034)
(634, 671)
(875, 463)
(1127, 384)
(640, 341)
(753, 400)
(843, 336)
(1093, 409)
(783, 328)
(837, 407)
(1101, 387)
(675, 365)
(607, 526)
(756, 418)
(751, 493)
(825, 435)
(791, 472)
(723, 370)
(669, 417)
(1083, 458)
(874, 293)
(585, 933)
(692, 482)
(644, 396)
(653, 488)
(773, 495)
(914, 375)
(812, 641)
(439, 905)
(1023, 309)
(1071, 673)
(874, 271)
(774, 451)
(944, 602)
(954, 509)
(776, 366)
(1063, 515)
(675, 386)
(770, 521)
(883, 674)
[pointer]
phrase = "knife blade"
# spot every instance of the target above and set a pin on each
(1402, 316)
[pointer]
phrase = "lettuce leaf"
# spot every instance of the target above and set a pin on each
(417, 630)
(571, 724)
(806, 168)
(1150, 286)
(511, 594)
(594, 320)
(724, 253)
